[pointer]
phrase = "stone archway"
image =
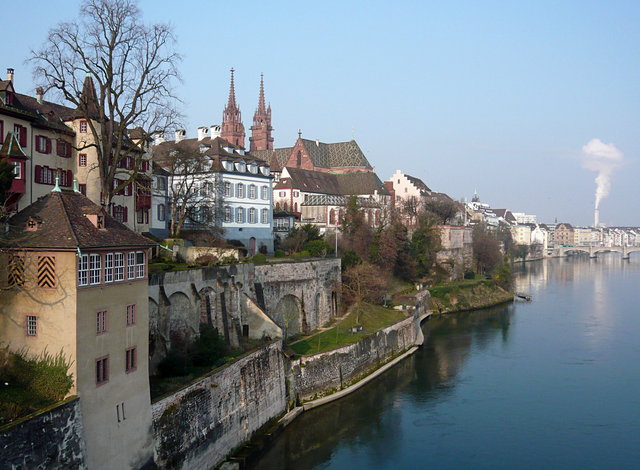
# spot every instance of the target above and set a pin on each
(183, 320)
(289, 315)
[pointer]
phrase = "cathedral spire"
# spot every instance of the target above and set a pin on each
(232, 92)
(232, 128)
(261, 130)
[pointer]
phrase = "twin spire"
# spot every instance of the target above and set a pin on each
(233, 129)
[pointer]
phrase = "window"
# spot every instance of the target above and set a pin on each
(264, 193)
(296, 194)
(282, 194)
(264, 216)
(240, 215)
(95, 268)
(131, 265)
(21, 134)
(227, 214)
(101, 322)
(119, 266)
(252, 215)
(83, 189)
(253, 192)
(82, 159)
(32, 325)
(102, 370)
(228, 190)
(1, 132)
(43, 144)
(63, 148)
(83, 270)
(47, 271)
(108, 267)
(299, 159)
(161, 212)
(131, 314)
(17, 170)
(131, 360)
(240, 190)
(15, 276)
(140, 264)
(83, 126)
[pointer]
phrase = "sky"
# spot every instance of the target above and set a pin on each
(497, 97)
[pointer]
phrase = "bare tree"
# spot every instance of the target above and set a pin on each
(411, 207)
(134, 67)
(443, 208)
(190, 177)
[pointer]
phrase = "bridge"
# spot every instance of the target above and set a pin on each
(593, 251)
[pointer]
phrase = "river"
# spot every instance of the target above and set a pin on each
(549, 384)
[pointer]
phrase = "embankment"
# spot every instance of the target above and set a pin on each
(470, 296)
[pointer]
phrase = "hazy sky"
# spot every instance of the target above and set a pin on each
(499, 96)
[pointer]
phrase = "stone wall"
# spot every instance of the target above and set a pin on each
(50, 439)
(324, 373)
(300, 296)
(199, 425)
(456, 260)
(297, 296)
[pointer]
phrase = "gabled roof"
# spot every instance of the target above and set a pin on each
(335, 155)
(64, 225)
(11, 147)
(418, 183)
(360, 183)
(277, 158)
(348, 184)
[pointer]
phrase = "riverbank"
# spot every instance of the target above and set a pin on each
(466, 296)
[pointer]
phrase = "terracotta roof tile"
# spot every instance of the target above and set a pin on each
(64, 224)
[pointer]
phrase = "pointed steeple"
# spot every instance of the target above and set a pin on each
(89, 98)
(261, 138)
(232, 128)
(232, 93)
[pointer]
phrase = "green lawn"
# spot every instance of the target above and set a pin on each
(371, 317)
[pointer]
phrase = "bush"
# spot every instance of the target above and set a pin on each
(469, 275)
(279, 254)
(175, 364)
(235, 243)
(209, 348)
(349, 259)
(259, 258)
(302, 254)
(317, 248)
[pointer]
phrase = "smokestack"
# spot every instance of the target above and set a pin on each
(596, 217)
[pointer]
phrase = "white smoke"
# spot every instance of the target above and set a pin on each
(603, 158)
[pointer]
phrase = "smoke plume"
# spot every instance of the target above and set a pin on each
(604, 159)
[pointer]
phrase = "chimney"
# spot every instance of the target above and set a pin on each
(159, 139)
(39, 94)
(317, 143)
(10, 74)
(203, 132)
(215, 131)
(181, 134)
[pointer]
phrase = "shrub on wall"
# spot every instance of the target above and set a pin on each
(31, 382)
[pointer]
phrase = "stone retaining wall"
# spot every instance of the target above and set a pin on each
(327, 372)
(50, 439)
(199, 425)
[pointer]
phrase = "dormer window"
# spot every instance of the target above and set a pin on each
(97, 220)
(32, 224)
(253, 168)
(100, 222)
(240, 166)
(265, 170)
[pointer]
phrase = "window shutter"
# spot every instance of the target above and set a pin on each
(38, 174)
(48, 149)
(23, 136)
(126, 214)
(69, 177)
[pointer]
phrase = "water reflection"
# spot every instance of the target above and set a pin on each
(373, 414)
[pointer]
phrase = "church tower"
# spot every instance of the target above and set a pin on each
(232, 127)
(261, 130)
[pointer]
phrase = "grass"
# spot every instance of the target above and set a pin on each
(371, 317)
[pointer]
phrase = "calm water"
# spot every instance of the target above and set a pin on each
(554, 383)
